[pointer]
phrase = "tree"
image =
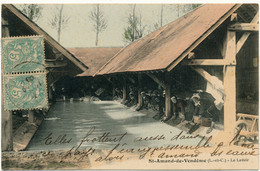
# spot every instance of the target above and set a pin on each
(159, 24)
(178, 6)
(99, 21)
(193, 6)
(190, 7)
(182, 9)
(59, 21)
(135, 29)
(32, 11)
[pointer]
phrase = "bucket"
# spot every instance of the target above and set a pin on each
(206, 122)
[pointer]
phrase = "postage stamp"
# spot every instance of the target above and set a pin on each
(25, 91)
(23, 54)
(24, 73)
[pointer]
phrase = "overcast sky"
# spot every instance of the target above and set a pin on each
(79, 32)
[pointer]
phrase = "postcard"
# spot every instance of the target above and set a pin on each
(130, 86)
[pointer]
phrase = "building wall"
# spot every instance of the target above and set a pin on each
(247, 76)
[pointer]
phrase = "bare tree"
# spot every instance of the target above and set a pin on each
(59, 21)
(99, 21)
(159, 24)
(194, 6)
(178, 6)
(183, 9)
(180, 9)
(32, 11)
(135, 29)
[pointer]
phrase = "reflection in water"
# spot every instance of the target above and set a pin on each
(74, 120)
(49, 119)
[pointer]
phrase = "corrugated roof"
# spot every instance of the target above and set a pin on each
(161, 48)
(94, 58)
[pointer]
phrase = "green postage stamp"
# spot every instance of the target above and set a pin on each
(24, 72)
(25, 91)
(23, 54)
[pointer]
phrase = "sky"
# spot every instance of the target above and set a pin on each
(79, 31)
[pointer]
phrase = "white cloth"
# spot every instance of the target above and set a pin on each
(214, 90)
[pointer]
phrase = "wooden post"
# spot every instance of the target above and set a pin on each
(50, 94)
(230, 84)
(7, 130)
(30, 116)
(140, 98)
(167, 82)
(113, 87)
(7, 121)
(124, 89)
(113, 91)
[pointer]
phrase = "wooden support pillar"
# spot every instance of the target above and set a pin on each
(111, 80)
(7, 130)
(113, 91)
(7, 121)
(140, 100)
(5, 26)
(50, 95)
(230, 84)
(167, 83)
(30, 116)
(124, 89)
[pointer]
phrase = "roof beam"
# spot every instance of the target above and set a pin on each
(131, 79)
(249, 12)
(212, 62)
(191, 55)
(53, 77)
(244, 27)
(50, 60)
(55, 64)
(241, 15)
(233, 17)
(206, 34)
(244, 37)
(254, 6)
(210, 79)
(156, 79)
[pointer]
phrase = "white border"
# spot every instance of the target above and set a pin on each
(124, 1)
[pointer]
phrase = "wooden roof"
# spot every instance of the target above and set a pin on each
(166, 47)
(94, 58)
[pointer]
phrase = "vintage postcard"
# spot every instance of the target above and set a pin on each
(130, 86)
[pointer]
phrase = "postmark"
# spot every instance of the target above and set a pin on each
(25, 91)
(23, 54)
(24, 73)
